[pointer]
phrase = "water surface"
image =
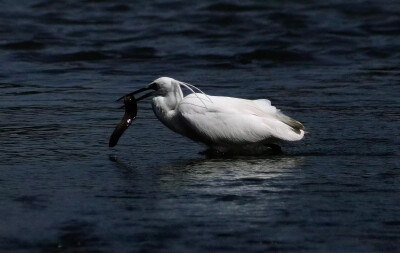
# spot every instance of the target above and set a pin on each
(333, 66)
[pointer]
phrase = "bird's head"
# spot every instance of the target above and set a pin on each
(164, 85)
(159, 87)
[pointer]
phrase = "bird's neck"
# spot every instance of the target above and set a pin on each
(166, 105)
(172, 100)
(164, 108)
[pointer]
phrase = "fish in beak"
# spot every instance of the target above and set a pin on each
(130, 105)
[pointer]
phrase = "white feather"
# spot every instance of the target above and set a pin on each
(222, 121)
(235, 121)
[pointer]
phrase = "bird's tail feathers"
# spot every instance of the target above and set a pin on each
(294, 124)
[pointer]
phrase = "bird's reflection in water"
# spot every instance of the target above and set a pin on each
(220, 196)
(217, 174)
(231, 174)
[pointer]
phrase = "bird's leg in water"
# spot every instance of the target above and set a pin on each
(266, 149)
(275, 149)
(210, 152)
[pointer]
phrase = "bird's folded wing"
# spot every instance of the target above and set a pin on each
(225, 119)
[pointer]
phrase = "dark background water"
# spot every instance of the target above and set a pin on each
(334, 65)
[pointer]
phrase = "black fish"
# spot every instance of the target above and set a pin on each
(130, 115)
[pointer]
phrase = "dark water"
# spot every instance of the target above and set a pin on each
(334, 65)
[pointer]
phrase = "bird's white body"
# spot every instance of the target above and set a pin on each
(222, 123)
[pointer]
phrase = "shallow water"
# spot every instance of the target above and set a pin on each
(334, 66)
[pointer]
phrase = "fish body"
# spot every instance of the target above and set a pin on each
(130, 105)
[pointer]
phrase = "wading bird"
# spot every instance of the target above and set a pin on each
(224, 124)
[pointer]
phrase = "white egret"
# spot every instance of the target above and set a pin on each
(222, 123)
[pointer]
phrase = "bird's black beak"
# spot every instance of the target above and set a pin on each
(152, 86)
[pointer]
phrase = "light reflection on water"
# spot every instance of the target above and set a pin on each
(333, 66)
